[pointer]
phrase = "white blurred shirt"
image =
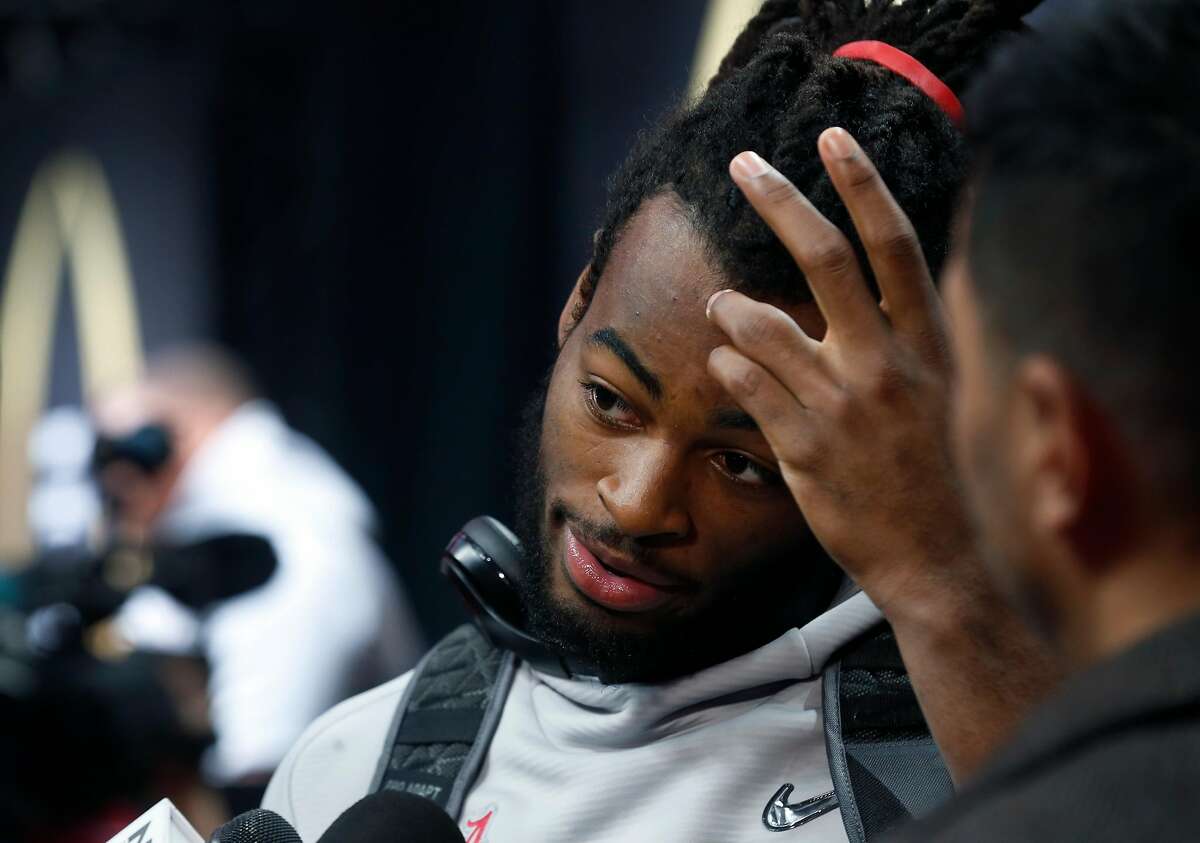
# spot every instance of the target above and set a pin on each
(331, 621)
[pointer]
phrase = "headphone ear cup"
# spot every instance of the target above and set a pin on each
(483, 561)
(500, 544)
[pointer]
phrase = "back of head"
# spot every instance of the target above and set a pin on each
(776, 91)
(200, 375)
(180, 385)
(1085, 214)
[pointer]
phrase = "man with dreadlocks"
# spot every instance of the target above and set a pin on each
(743, 688)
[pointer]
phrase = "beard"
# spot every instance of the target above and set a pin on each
(751, 606)
(999, 536)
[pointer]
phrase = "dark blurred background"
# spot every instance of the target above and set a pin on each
(380, 206)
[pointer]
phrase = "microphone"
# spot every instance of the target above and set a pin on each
(197, 574)
(379, 818)
(257, 826)
(393, 816)
(161, 824)
(165, 824)
(214, 568)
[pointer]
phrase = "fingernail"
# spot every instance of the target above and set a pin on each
(839, 143)
(713, 298)
(750, 165)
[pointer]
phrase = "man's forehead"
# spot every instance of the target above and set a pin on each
(659, 274)
(956, 287)
(648, 312)
(661, 270)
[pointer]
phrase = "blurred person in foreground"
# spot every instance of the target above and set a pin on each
(1071, 294)
(330, 621)
(664, 549)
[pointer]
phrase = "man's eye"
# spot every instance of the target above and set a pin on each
(608, 407)
(741, 469)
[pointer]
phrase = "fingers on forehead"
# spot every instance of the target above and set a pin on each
(891, 242)
(755, 325)
(820, 249)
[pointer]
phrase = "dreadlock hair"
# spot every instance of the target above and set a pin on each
(775, 92)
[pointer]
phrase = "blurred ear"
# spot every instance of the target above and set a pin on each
(1053, 460)
(573, 310)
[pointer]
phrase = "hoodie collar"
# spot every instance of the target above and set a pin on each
(634, 712)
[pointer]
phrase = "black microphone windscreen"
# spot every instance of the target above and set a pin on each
(393, 817)
(257, 826)
(214, 568)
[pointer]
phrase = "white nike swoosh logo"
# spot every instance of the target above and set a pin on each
(780, 815)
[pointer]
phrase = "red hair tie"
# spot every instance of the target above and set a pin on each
(905, 65)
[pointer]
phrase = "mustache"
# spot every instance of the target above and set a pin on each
(611, 537)
(607, 535)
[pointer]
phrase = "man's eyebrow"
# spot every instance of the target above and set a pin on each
(733, 419)
(610, 339)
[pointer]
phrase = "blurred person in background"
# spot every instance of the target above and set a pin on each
(330, 621)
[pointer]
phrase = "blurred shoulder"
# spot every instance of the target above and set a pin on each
(331, 766)
(1136, 784)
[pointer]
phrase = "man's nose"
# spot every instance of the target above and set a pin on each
(646, 493)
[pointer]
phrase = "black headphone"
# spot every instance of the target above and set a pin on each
(484, 561)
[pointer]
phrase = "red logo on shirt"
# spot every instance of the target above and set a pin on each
(477, 829)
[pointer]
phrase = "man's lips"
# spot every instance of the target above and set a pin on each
(616, 583)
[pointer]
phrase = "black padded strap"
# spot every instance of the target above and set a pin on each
(446, 719)
(886, 767)
(835, 750)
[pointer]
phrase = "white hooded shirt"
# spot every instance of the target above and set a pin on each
(697, 759)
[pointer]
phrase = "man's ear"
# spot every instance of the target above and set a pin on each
(573, 309)
(1082, 481)
(1050, 446)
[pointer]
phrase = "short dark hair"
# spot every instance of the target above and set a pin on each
(776, 91)
(1086, 217)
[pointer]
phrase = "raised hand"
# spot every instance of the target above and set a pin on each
(858, 420)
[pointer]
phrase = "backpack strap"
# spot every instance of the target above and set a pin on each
(446, 719)
(886, 767)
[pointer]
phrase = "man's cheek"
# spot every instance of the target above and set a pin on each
(573, 456)
(556, 440)
(992, 501)
(733, 528)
